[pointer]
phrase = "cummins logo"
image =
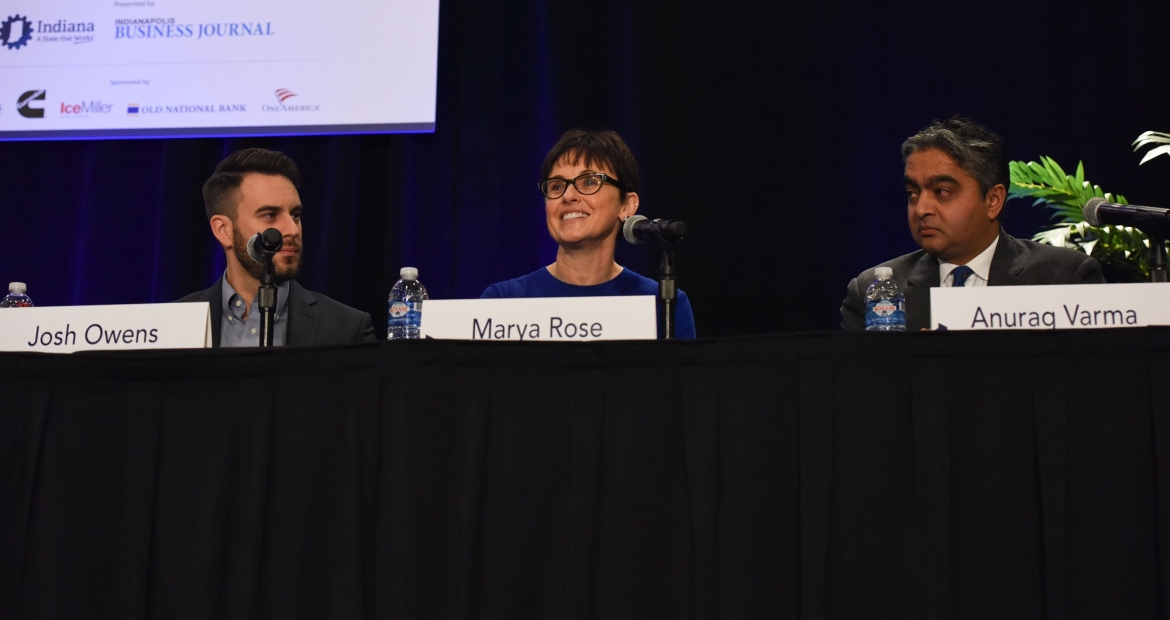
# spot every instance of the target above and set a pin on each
(24, 104)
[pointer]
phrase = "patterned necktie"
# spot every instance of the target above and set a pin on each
(961, 274)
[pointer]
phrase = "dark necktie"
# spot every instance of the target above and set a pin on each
(961, 273)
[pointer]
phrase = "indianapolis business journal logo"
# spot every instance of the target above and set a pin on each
(25, 104)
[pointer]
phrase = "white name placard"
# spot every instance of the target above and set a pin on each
(1064, 306)
(541, 319)
(65, 329)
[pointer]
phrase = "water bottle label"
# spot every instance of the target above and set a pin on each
(884, 308)
(884, 312)
(399, 309)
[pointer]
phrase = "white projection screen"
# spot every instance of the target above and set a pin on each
(74, 69)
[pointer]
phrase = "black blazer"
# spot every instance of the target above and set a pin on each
(313, 319)
(1015, 262)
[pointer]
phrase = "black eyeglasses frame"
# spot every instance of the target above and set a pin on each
(605, 178)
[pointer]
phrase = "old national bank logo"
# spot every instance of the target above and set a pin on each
(26, 106)
(282, 96)
(135, 109)
(169, 28)
(18, 30)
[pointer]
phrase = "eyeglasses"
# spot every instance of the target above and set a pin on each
(588, 183)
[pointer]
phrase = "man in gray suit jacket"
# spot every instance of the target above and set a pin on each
(956, 178)
(253, 190)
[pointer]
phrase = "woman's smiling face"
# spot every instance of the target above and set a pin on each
(575, 219)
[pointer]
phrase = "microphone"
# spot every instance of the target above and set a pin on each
(1153, 221)
(638, 230)
(263, 246)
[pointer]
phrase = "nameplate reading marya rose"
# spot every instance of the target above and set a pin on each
(541, 319)
(65, 329)
(1067, 306)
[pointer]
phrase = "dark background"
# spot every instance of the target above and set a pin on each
(772, 129)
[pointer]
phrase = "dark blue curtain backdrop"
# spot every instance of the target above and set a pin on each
(771, 128)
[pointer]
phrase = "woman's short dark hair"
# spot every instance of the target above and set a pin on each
(978, 151)
(595, 148)
(229, 174)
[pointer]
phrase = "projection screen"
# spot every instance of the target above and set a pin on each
(165, 68)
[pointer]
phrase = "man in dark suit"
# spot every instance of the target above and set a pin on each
(253, 190)
(956, 177)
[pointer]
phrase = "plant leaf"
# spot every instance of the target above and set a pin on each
(1161, 150)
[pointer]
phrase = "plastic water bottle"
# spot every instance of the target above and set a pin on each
(884, 304)
(406, 297)
(16, 297)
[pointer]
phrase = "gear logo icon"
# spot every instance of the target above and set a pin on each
(16, 32)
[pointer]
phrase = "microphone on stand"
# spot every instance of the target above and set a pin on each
(1154, 221)
(638, 230)
(263, 246)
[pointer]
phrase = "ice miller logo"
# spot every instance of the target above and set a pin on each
(284, 94)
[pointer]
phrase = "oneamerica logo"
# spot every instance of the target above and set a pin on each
(283, 95)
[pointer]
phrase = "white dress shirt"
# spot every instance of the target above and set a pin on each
(981, 265)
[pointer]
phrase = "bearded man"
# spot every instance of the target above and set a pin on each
(251, 191)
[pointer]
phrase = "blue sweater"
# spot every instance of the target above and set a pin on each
(541, 283)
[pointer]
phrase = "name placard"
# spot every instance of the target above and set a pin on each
(541, 319)
(65, 329)
(1061, 306)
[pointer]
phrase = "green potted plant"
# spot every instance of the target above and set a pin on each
(1122, 251)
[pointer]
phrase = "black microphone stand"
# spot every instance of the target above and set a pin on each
(1157, 257)
(267, 303)
(667, 292)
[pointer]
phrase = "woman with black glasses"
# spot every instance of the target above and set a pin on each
(590, 186)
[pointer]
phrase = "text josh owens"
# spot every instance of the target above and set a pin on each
(94, 334)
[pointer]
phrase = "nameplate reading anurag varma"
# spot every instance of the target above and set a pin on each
(1066, 306)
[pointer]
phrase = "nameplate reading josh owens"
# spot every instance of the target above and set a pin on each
(93, 335)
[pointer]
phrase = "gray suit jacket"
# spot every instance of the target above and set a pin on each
(313, 319)
(1015, 262)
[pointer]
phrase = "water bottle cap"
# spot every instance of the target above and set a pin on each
(884, 273)
(17, 287)
(408, 273)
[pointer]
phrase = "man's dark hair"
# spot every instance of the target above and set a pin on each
(978, 151)
(229, 174)
(596, 148)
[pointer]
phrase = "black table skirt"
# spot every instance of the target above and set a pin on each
(995, 475)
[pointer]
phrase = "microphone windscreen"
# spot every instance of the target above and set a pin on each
(628, 228)
(252, 253)
(1090, 211)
